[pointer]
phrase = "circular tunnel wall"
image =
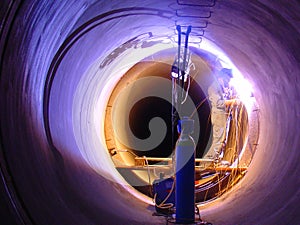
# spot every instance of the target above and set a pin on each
(50, 177)
(145, 109)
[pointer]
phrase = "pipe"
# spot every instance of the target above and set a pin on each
(59, 183)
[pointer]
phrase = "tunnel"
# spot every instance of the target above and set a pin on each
(60, 61)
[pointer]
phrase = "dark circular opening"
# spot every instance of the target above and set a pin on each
(146, 109)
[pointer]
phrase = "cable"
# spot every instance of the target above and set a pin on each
(162, 205)
(197, 107)
(187, 90)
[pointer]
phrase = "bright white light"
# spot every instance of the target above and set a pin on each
(242, 86)
(244, 90)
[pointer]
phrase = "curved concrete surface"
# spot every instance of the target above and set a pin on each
(49, 93)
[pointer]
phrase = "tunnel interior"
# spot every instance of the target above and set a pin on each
(142, 108)
(147, 108)
(59, 65)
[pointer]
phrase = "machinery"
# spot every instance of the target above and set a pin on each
(185, 146)
(178, 182)
(164, 194)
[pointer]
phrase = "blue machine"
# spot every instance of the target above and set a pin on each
(164, 194)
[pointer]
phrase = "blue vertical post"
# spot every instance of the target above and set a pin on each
(185, 173)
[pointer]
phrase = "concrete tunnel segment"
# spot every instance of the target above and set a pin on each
(44, 183)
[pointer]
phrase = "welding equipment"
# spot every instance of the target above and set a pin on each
(164, 194)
